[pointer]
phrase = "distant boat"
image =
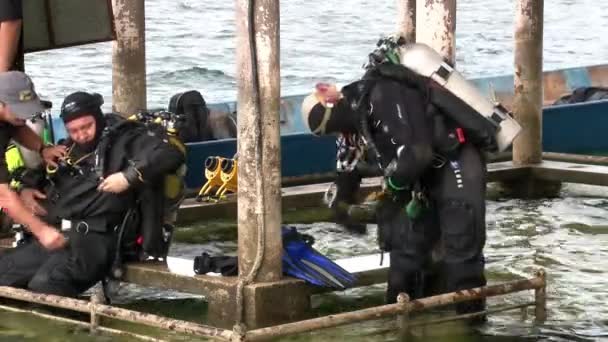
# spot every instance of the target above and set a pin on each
(571, 128)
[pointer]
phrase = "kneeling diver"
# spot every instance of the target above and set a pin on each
(109, 162)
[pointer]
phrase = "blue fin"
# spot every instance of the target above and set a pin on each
(302, 261)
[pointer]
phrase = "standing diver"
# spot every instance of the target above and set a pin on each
(426, 128)
(110, 163)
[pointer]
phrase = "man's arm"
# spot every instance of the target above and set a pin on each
(11, 19)
(25, 136)
(48, 236)
(11, 202)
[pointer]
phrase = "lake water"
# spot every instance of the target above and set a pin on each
(191, 45)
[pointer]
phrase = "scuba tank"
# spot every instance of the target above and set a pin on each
(41, 124)
(426, 62)
(168, 123)
(32, 159)
(20, 159)
(174, 183)
(133, 231)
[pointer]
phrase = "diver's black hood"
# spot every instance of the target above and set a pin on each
(346, 114)
(80, 104)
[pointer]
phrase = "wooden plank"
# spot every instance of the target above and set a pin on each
(571, 173)
(309, 196)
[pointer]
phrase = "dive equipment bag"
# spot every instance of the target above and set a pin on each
(192, 106)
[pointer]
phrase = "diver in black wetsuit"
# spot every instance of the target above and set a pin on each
(428, 144)
(110, 163)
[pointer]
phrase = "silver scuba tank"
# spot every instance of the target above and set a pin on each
(425, 61)
(32, 159)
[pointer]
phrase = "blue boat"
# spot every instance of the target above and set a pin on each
(572, 128)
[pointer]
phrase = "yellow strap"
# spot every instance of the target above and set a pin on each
(177, 143)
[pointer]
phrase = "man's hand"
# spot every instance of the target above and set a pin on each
(51, 154)
(115, 183)
(30, 198)
(50, 238)
(7, 115)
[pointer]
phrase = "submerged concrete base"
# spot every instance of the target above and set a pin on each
(265, 303)
(270, 304)
(530, 187)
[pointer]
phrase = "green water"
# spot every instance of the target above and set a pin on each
(566, 236)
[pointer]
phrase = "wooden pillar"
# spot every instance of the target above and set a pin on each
(528, 77)
(406, 19)
(436, 26)
(259, 173)
(129, 57)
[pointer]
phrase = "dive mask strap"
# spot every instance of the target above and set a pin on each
(321, 92)
(321, 129)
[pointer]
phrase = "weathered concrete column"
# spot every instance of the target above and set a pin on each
(436, 26)
(528, 94)
(259, 150)
(129, 57)
(528, 99)
(406, 19)
(259, 174)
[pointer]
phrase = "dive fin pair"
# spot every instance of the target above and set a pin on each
(302, 261)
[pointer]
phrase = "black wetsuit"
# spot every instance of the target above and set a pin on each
(421, 151)
(72, 195)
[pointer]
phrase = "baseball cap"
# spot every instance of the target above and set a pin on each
(17, 91)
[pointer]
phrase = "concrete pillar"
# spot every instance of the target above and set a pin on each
(528, 94)
(436, 26)
(259, 173)
(406, 19)
(129, 57)
(528, 100)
